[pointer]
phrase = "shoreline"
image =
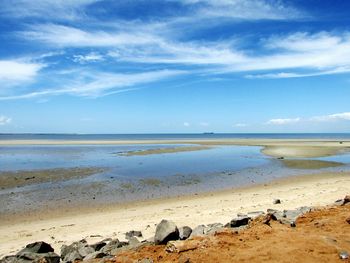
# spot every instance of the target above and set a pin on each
(114, 220)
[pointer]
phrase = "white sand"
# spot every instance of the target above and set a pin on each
(311, 190)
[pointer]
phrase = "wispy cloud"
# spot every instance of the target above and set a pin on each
(333, 117)
(4, 120)
(14, 72)
(91, 57)
(45, 9)
(96, 84)
(186, 124)
(236, 9)
(283, 121)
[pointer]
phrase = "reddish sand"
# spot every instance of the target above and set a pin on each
(318, 237)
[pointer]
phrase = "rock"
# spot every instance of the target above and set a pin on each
(114, 244)
(166, 231)
(348, 220)
(181, 246)
(97, 246)
(213, 228)
(185, 232)
(94, 255)
(343, 255)
(133, 233)
(292, 224)
(133, 242)
(276, 201)
(239, 221)
(86, 250)
(37, 247)
(49, 257)
(76, 251)
(292, 215)
(198, 231)
(343, 201)
(65, 250)
(72, 256)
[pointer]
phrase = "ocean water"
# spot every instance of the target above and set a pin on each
(130, 178)
(175, 136)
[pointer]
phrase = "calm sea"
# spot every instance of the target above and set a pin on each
(175, 136)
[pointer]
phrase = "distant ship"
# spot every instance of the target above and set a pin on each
(207, 133)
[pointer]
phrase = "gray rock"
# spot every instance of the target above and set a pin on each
(185, 232)
(115, 243)
(276, 201)
(97, 246)
(133, 233)
(239, 221)
(70, 257)
(65, 250)
(198, 231)
(133, 242)
(86, 250)
(166, 231)
(49, 257)
(37, 247)
(292, 215)
(213, 228)
(94, 255)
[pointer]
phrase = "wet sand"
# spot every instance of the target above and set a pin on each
(22, 178)
(61, 227)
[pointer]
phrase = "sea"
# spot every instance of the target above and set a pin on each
(172, 136)
(126, 178)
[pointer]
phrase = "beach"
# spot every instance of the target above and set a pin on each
(60, 225)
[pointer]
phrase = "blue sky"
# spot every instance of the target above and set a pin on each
(174, 66)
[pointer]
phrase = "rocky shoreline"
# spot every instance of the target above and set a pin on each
(174, 239)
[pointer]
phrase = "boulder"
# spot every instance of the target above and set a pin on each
(49, 257)
(198, 231)
(97, 246)
(114, 244)
(94, 255)
(213, 228)
(76, 251)
(343, 255)
(166, 231)
(133, 233)
(185, 232)
(37, 247)
(239, 221)
(72, 256)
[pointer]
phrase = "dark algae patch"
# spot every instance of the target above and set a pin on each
(10, 179)
(309, 164)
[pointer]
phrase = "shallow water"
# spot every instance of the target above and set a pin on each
(129, 178)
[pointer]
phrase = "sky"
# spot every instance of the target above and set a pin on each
(174, 66)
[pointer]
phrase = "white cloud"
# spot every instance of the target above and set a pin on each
(4, 120)
(14, 72)
(66, 36)
(45, 9)
(283, 121)
(96, 84)
(238, 9)
(186, 124)
(91, 57)
(333, 117)
(204, 124)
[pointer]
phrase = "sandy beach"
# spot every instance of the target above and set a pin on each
(58, 227)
